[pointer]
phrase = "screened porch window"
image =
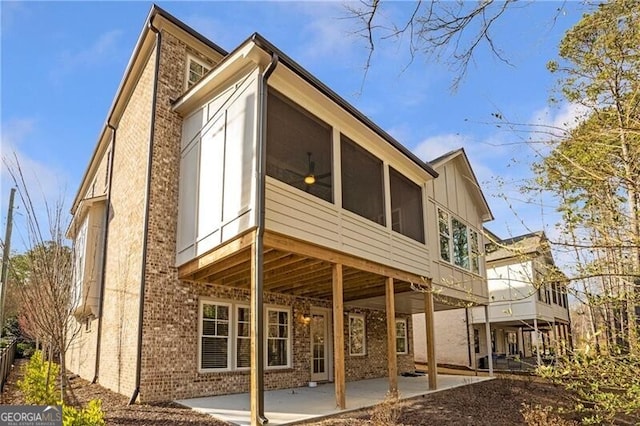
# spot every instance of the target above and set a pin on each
(298, 148)
(460, 244)
(406, 200)
(362, 182)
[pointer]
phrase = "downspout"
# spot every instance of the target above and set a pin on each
(261, 167)
(466, 320)
(104, 250)
(146, 212)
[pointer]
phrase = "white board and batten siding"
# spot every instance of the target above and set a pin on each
(291, 212)
(217, 184)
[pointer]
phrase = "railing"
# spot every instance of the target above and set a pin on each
(6, 361)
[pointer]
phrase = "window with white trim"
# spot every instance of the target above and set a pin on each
(357, 335)
(195, 70)
(243, 337)
(214, 344)
(278, 337)
(401, 336)
(445, 235)
(225, 336)
(459, 243)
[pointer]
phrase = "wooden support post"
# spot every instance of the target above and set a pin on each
(338, 336)
(392, 360)
(487, 328)
(256, 391)
(538, 337)
(432, 369)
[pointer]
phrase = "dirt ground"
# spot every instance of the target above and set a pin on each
(494, 402)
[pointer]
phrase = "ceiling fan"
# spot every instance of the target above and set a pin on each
(310, 177)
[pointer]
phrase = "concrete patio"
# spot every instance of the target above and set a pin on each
(288, 406)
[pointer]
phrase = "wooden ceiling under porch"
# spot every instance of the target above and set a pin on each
(295, 267)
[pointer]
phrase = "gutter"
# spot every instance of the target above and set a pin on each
(155, 30)
(257, 300)
(104, 250)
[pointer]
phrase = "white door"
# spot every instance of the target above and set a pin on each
(320, 346)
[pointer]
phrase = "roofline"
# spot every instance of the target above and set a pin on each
(268, 47)
(154, 11)
(455, 153)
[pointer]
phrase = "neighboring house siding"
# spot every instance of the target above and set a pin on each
(124, 252)
(451, 337)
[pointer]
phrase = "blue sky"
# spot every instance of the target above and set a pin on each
(61, 63)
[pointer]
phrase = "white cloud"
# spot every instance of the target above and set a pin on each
(45, 183)
(556, 121)
(103, 48)
(435, 146)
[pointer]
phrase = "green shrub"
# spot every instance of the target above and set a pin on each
(91, 415)
(39, 382)
(25, 349)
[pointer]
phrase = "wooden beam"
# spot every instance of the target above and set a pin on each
(217, 254)
(281, 242)
(392, 358)
(431, 339)
(338, 336)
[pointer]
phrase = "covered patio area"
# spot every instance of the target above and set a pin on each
(288, 406)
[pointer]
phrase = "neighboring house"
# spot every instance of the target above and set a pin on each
(528, 310)
(213, 265)
(461, 210)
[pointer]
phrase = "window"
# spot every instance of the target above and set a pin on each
(475, 251)
(214, 348)
(476, 340)
(195, 70)
(445, 236)
(357, 335)
(277, 338)
(406, 198)
(554, 293)
(298, 148)
(79, 251)
(460, 244)
(225, 336)
(243, 337)
(401, 336)
(362, 181)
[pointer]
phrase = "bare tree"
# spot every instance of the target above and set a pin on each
(48, 294)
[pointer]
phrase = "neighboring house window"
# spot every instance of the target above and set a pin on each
(357, 335)
(299, 148)
(554, 293)
(214, 348)
(195, 70)
(243, 337)
(540, 294)
(362, 181)
(406, 198)
(277, 337)
(401, 336)
(445, 235)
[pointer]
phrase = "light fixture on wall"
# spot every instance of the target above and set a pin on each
(304, 319)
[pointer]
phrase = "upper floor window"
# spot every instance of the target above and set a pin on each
(459, 244)
(195, 70)
(406, 203)
(298, 148)
(362, 181)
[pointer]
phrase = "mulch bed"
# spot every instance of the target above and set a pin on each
(494, 402)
